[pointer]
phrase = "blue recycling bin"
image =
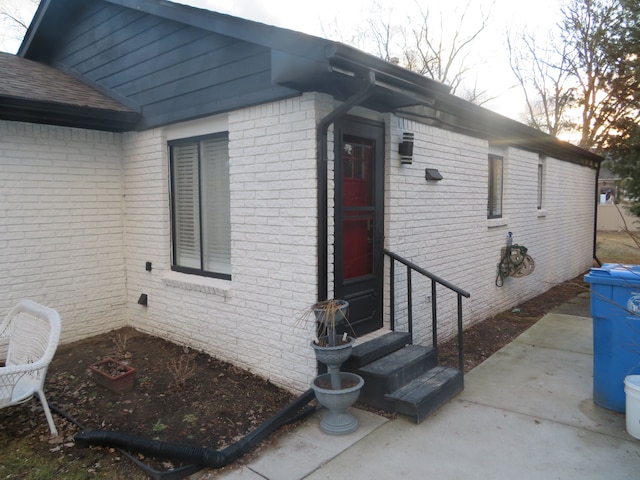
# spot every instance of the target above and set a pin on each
(615, 308)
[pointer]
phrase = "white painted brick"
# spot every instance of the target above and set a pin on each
(456, 243)
(72, 241)
(62, 236)
(271, 254)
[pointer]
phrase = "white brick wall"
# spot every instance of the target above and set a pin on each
(69, 240)
(443, 227)
(61, 237)
(252, 319)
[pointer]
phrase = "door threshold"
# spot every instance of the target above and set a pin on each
(372, 335)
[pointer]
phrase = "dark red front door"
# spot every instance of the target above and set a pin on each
(359, 202)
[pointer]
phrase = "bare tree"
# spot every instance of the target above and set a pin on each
(383, 32)
(15, 16)
(428, 43)
(373, 32)
(10, 12)
(588, 69)
(441, 57)
(543, 74)
(601, 61)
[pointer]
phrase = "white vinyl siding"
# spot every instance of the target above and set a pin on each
(201, 207)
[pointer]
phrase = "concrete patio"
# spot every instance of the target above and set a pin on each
(527, 413)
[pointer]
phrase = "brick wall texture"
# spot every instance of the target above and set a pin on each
(83, 211)
(61, 230)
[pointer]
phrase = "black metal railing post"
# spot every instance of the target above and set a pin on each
(460, 335)
(392, 294)
(434, 317)
(412, 267)
(410, 304)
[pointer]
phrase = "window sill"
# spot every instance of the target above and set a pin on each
(196, 283)
(542, 213)
(497, 222)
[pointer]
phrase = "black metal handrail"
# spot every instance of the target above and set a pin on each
(434, 313)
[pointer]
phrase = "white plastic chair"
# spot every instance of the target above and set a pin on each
(29, 335)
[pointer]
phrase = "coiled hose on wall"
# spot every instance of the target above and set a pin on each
(514, 262)
(199, 456)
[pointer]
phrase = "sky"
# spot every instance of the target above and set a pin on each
(336, 19)
(490, 60)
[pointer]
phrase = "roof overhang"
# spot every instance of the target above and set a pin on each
(457, 114)
(306, 63)
(34, 92)
(341, 71)
(33, 111)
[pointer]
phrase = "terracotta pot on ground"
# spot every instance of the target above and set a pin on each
(114, 375)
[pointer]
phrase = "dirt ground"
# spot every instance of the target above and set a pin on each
(484, 339)
(179, 396)
(192, 398)
(487, 337)
(218, 405)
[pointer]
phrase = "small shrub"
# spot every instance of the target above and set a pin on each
(120, 341)
(159, 427)
(182, 368)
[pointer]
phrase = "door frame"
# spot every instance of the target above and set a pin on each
(368, 129)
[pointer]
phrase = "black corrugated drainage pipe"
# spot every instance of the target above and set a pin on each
(204, 457)
(321, 139)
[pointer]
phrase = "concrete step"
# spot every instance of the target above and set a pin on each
(426, 393)
(391, 372)
(367, 352)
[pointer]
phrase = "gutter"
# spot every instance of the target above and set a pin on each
(67, 115)
(350, 58)
(595, 217)
(369, 83)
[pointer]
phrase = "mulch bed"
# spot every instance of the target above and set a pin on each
(487, 337)
(188, 397)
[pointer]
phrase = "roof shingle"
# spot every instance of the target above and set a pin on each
(32, 81)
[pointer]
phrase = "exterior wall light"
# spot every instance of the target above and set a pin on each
(432, 174)
(406, 148)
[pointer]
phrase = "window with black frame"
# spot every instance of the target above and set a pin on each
(200, 205)
(540, 180)
(494, 203)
